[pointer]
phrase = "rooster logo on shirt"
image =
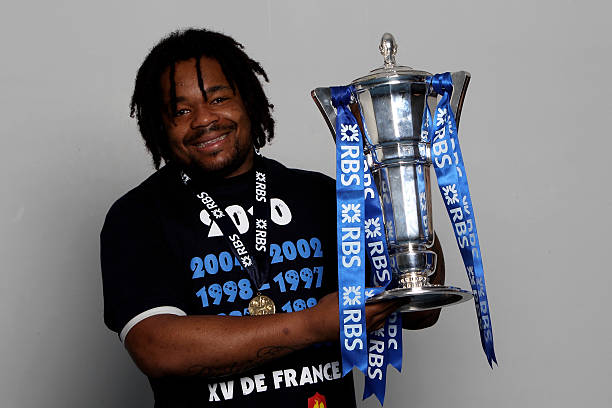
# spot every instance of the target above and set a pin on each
(317, 401)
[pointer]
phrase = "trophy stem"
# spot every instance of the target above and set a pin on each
(413, 267)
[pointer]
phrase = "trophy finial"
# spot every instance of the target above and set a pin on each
(388, 49)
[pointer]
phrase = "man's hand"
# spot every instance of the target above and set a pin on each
(327, 321)
(422, 320)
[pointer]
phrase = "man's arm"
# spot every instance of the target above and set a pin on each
(422, 320)
(213, 346)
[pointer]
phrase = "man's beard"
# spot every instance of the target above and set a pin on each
(214, 169)
(202, 168)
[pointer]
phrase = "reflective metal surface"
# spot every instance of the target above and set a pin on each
(424, 298)
(388, 49)
(389, 105)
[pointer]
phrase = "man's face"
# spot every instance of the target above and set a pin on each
(211, 133)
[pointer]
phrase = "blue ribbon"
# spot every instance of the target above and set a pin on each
(350, 233)
(355, 193)
(452, 182)
(384, 345)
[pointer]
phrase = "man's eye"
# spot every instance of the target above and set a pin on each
(219, 100)
(181, 112)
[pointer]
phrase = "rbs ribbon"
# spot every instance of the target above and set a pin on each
(350, 232)
(452, 181)
(385, 344)
(360, 228)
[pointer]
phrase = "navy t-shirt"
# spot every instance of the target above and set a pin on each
(161, 251)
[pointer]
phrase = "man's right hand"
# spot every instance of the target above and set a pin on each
(327, 321)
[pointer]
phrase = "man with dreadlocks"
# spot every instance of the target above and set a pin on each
(219, 269)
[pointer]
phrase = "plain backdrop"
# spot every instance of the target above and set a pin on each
(535, 137)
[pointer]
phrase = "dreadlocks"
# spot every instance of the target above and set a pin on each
(240, 70)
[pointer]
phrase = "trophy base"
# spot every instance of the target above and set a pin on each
(423, 298)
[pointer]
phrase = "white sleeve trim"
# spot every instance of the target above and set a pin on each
(148, 313)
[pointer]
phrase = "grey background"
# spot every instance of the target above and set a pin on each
(535, 136)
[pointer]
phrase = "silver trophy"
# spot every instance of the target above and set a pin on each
(389, 104)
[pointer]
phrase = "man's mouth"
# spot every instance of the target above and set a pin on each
(212, 141)
(202, 139)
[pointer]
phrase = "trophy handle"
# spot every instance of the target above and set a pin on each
(322, 98)
(461, 80)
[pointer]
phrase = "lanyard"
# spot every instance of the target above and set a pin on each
(257, 266)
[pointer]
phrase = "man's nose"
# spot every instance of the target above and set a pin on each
(204, 116)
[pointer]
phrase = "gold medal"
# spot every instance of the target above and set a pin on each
(261, 305)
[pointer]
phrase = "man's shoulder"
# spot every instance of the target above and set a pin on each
(143, 198)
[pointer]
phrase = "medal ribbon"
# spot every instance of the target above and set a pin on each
(452, 182)
(257, 268)
(261, 214)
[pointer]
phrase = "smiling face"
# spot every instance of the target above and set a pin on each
(210, 131)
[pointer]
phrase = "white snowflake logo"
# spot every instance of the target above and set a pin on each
(246, 260)
(217, 213)
(261, 177)
(369, 293)
(261, 224)
(372, 227)
(347, 209)
(450, 194)
(380, 332)
(425, 132)
(440, 116)
(184, 178)
(423, 200)
(351, 295)
(349, 133)
(466, 206)
(471, 276)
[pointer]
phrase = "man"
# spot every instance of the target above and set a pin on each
(219, 233)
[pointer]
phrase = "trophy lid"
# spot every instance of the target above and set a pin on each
(390, 71)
